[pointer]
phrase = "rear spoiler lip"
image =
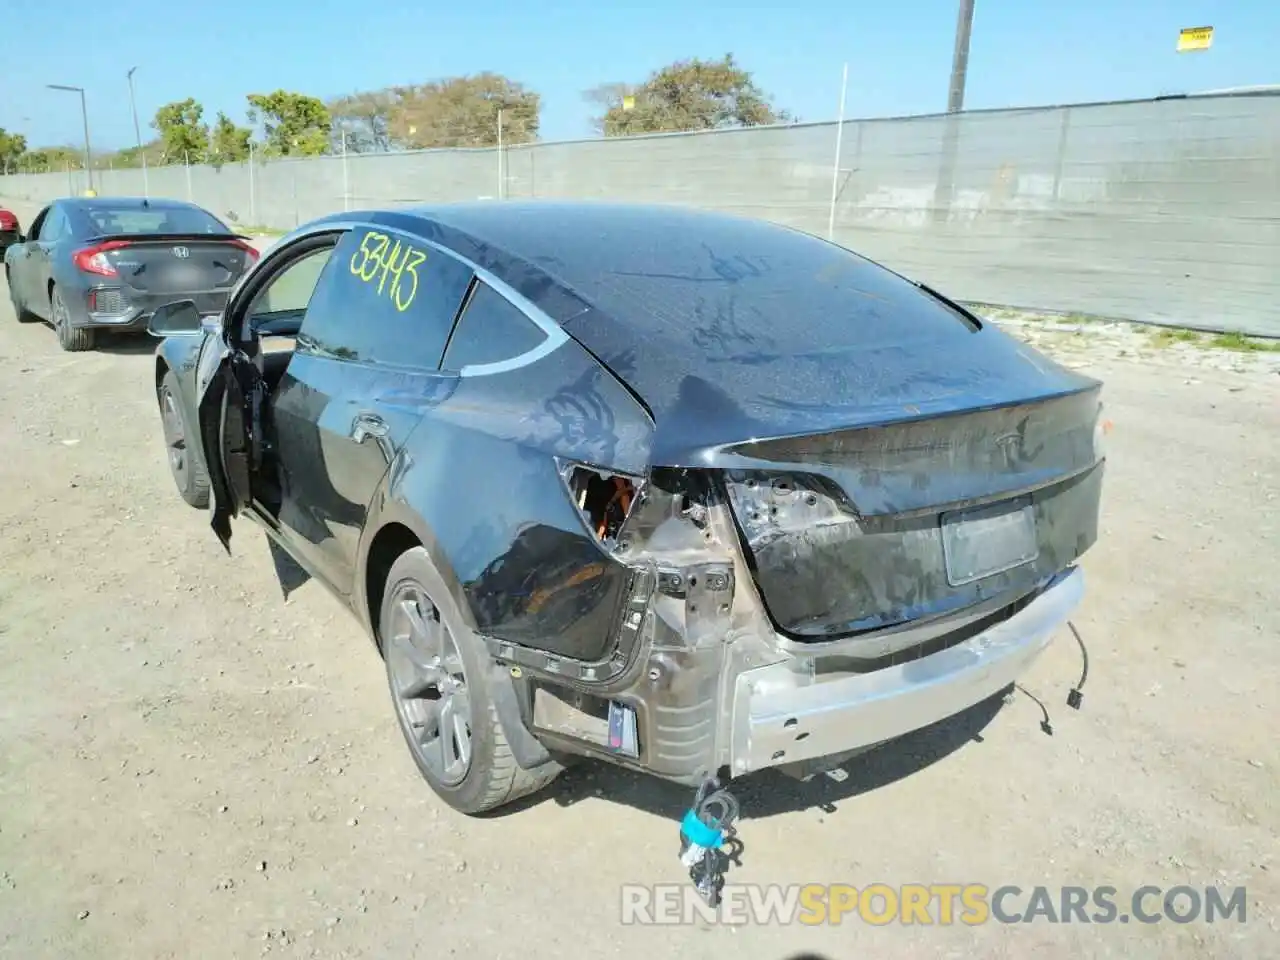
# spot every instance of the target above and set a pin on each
(169, 237)
(893, 493)
(727, 454)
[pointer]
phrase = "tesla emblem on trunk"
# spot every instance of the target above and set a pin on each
(1011, 446)
(181, 253)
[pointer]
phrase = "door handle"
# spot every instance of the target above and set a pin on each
(367, 425)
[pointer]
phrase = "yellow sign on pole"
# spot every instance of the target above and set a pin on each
(1194, 38)
(628, 103)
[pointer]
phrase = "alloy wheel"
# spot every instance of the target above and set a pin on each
(174, 435)
(429, 684)
(60, 317)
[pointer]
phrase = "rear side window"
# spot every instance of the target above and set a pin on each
(491, 330)
(386, 298)
(55, 226)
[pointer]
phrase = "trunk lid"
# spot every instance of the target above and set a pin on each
(176, 264)
(848, 411)
(865, 528)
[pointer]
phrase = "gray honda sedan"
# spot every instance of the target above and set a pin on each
(102, 263)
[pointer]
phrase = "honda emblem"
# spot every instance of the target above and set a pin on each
(181, 253)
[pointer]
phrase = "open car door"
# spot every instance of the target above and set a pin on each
(271, 298)
(232, 395)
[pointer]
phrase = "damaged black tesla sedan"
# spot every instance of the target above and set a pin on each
(689, 492)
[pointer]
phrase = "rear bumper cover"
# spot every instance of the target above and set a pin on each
(131, 322)
(747, 701)
(140, 306)
(781, 716)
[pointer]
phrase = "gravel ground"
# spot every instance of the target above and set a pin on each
(191, 767)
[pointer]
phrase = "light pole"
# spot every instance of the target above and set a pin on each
(960, 57)
(137, 132)
(84, 115)
(955, 104)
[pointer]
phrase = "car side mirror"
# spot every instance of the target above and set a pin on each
(176, 319)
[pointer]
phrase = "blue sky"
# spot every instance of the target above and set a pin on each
(899, 52)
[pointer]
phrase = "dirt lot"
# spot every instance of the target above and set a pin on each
(190, 767)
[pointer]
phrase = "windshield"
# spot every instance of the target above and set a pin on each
(111, 221)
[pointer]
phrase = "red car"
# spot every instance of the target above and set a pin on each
(9, 230)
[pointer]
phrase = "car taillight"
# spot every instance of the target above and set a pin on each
(8, 221)
(251, 252)
(94, 259)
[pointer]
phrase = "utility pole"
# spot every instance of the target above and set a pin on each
(501, 183)
(835, 170)
(955, 104)
(137, 132)
(84, 115)
(960, 58)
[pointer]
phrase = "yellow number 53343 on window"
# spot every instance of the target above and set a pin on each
(391, 266)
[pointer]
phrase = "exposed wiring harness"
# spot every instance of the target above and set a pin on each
(621, 497)
(707, 826)
(1076, 696)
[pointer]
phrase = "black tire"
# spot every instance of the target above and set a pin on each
(186, 462)
(71, 339)
(492, 777)
(19, 311)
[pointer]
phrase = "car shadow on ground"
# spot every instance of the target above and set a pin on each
(771, 793)
(126, 344)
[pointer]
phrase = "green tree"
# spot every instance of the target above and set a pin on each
(132, 156)
(685, 95)
(363, 120)
(229, 142)
(294, 124)
(53, 159)
(12, 146)
(463, 112)
(183, 134)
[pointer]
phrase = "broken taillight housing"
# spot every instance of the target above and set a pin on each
(94, 259)
(603, 498)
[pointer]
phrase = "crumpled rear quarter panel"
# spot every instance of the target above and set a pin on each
(481, 470)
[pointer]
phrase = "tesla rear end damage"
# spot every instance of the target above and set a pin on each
(722, 497)
(824, 595)
(862, 514)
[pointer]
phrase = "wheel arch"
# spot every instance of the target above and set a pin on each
(399, 531)
(391, 542)
(392, 528)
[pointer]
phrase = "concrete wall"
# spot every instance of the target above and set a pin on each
(1163, 211)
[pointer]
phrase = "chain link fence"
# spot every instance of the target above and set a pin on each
(1160, 211)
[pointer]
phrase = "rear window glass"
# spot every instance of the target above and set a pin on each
(732, 289)
(116, 220)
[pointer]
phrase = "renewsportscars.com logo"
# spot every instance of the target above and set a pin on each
(942, 904)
